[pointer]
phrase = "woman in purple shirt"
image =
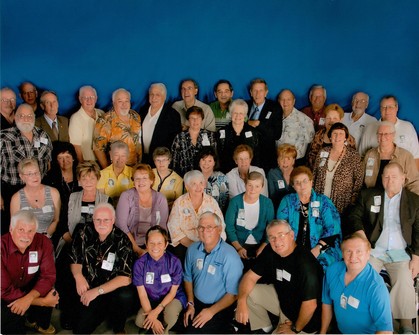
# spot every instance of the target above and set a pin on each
(158, 277)
(140, 208)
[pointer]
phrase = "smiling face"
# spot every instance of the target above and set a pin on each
(103, 221)
(254, 188)
(119, 158)
(122, 103)
(338, 137)
(195, 121)
(23, 234)
(356, 254)
(25, 118)
(238, 114)
(31, 175)
(258, 92)
(88, 99)
(389, 109)
(206, 164)
(359, 103)
(285, 162)
(195, 187)
(142, 181)
(223, 93)
(281, 240)
(317, 99)
(156, 97)
(156, 244)
(243, 161)
(287, 101)
(188, 92)
(88, 181)
(65, 161)
(302, 185)
(208, 231)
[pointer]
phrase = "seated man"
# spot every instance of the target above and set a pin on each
(55, 126)
(121, 123)
(358, 119)
(315, 110)
(390, 221)
(189, 91)
(297, 128)
(293, 286)
(101, 264)
(29, 95)
(27, 277)
(212, 273)
(82, 124)
(355, 291)
(223, 91)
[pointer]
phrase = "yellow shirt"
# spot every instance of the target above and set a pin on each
(114, 186)
(171, 186)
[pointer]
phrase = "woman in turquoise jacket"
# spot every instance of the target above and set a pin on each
(247, 216)
(313, 218)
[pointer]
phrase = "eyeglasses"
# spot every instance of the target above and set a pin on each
(388, 107)
(384, 134)
(106, 221)
(278, 236)
(32, 174)
(8, 100)
(209, 229)
(91, 97)
(25, 116)
(161, 160)
(363, 101)
(302, 182)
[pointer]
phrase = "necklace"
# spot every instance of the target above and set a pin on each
(337, 162)
(304, 209)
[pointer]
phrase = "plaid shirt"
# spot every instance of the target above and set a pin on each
(15, 147)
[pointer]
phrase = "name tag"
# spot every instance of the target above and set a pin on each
(321, 121)
(402, 138)
(205, 140)
(149, 278)
(315, 212)
(111, 257)
(370, 161)
(241, 222)
(322, 162)
(36, 144)
(165, 278)
(199, 263)
(279, 274)
(222, 133)
(375, 209)
(354, 302)
(315, 204)
(248, 134)
(215, 192)
(286, 275)
(47, 209)
(377, 200)
(211, 269)
(125, 181)
(33, 256)
(85, 209)
(324, 154)
(281, 184)
(44, 140)
(107, 265)
(268, 115)
(111, 182)
(368, 172)
(158, 217)
(33, 269)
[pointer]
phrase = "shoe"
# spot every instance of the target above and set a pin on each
(34, 325)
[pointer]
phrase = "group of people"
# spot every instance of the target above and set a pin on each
(182, 209)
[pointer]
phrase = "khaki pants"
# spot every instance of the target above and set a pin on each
(170, 315)
(402, 294)
(262, 299)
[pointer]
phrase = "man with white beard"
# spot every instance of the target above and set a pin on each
(16, 143)
(121, 123)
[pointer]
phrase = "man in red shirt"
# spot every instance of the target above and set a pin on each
(27, 277)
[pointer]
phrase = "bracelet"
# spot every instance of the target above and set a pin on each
(294, 330)
(190, 303)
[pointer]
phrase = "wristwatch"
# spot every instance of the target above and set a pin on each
(294, 330)
(101, 290)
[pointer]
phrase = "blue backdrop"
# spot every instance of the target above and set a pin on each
(346, 45)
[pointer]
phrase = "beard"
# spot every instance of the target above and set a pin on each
(124, 112)
(25, 127)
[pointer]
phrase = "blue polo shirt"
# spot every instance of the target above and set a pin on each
(213, 274)
(362, 307)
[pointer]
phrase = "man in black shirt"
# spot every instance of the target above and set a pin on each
(293, 289)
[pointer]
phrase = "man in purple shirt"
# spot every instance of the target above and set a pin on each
(27, 277)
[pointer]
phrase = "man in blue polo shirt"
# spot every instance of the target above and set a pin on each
(356, 292)
(212, 273)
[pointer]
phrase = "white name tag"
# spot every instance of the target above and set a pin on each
(47, 209)
(248, 134)
(375, 209)
(44, 140)
(149, 278)
(165, 278)
(321, 121)
(205, 140)
(199, 263)
(315, 212)
(354, 302)
(125, 181)
(268, 115)
(36, 144)
(33, 256)
(279, 274)
(211, 269)
(377, 200)
(315, 204)
(107, 266)
(111, 257)
(370, 161)
(222, 133)
(281, 184)
(286, 275)
(368, 173)
(324, 154)
(33, 269)
(85, 209)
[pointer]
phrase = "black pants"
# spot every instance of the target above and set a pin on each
(12, 323)
(115, 306)
(221, 323)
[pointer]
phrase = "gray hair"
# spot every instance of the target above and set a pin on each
(24, 215)
(104, 205)
(119, 90)
(387, 124)
(7, 89)
(315, 87)
(368, 97)
(159, 85)
(42, 98)
(24, 106)
(119, 145)
(85, 88)
(238, 102)
(217, 219)
(278, 222)
(193, 175)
